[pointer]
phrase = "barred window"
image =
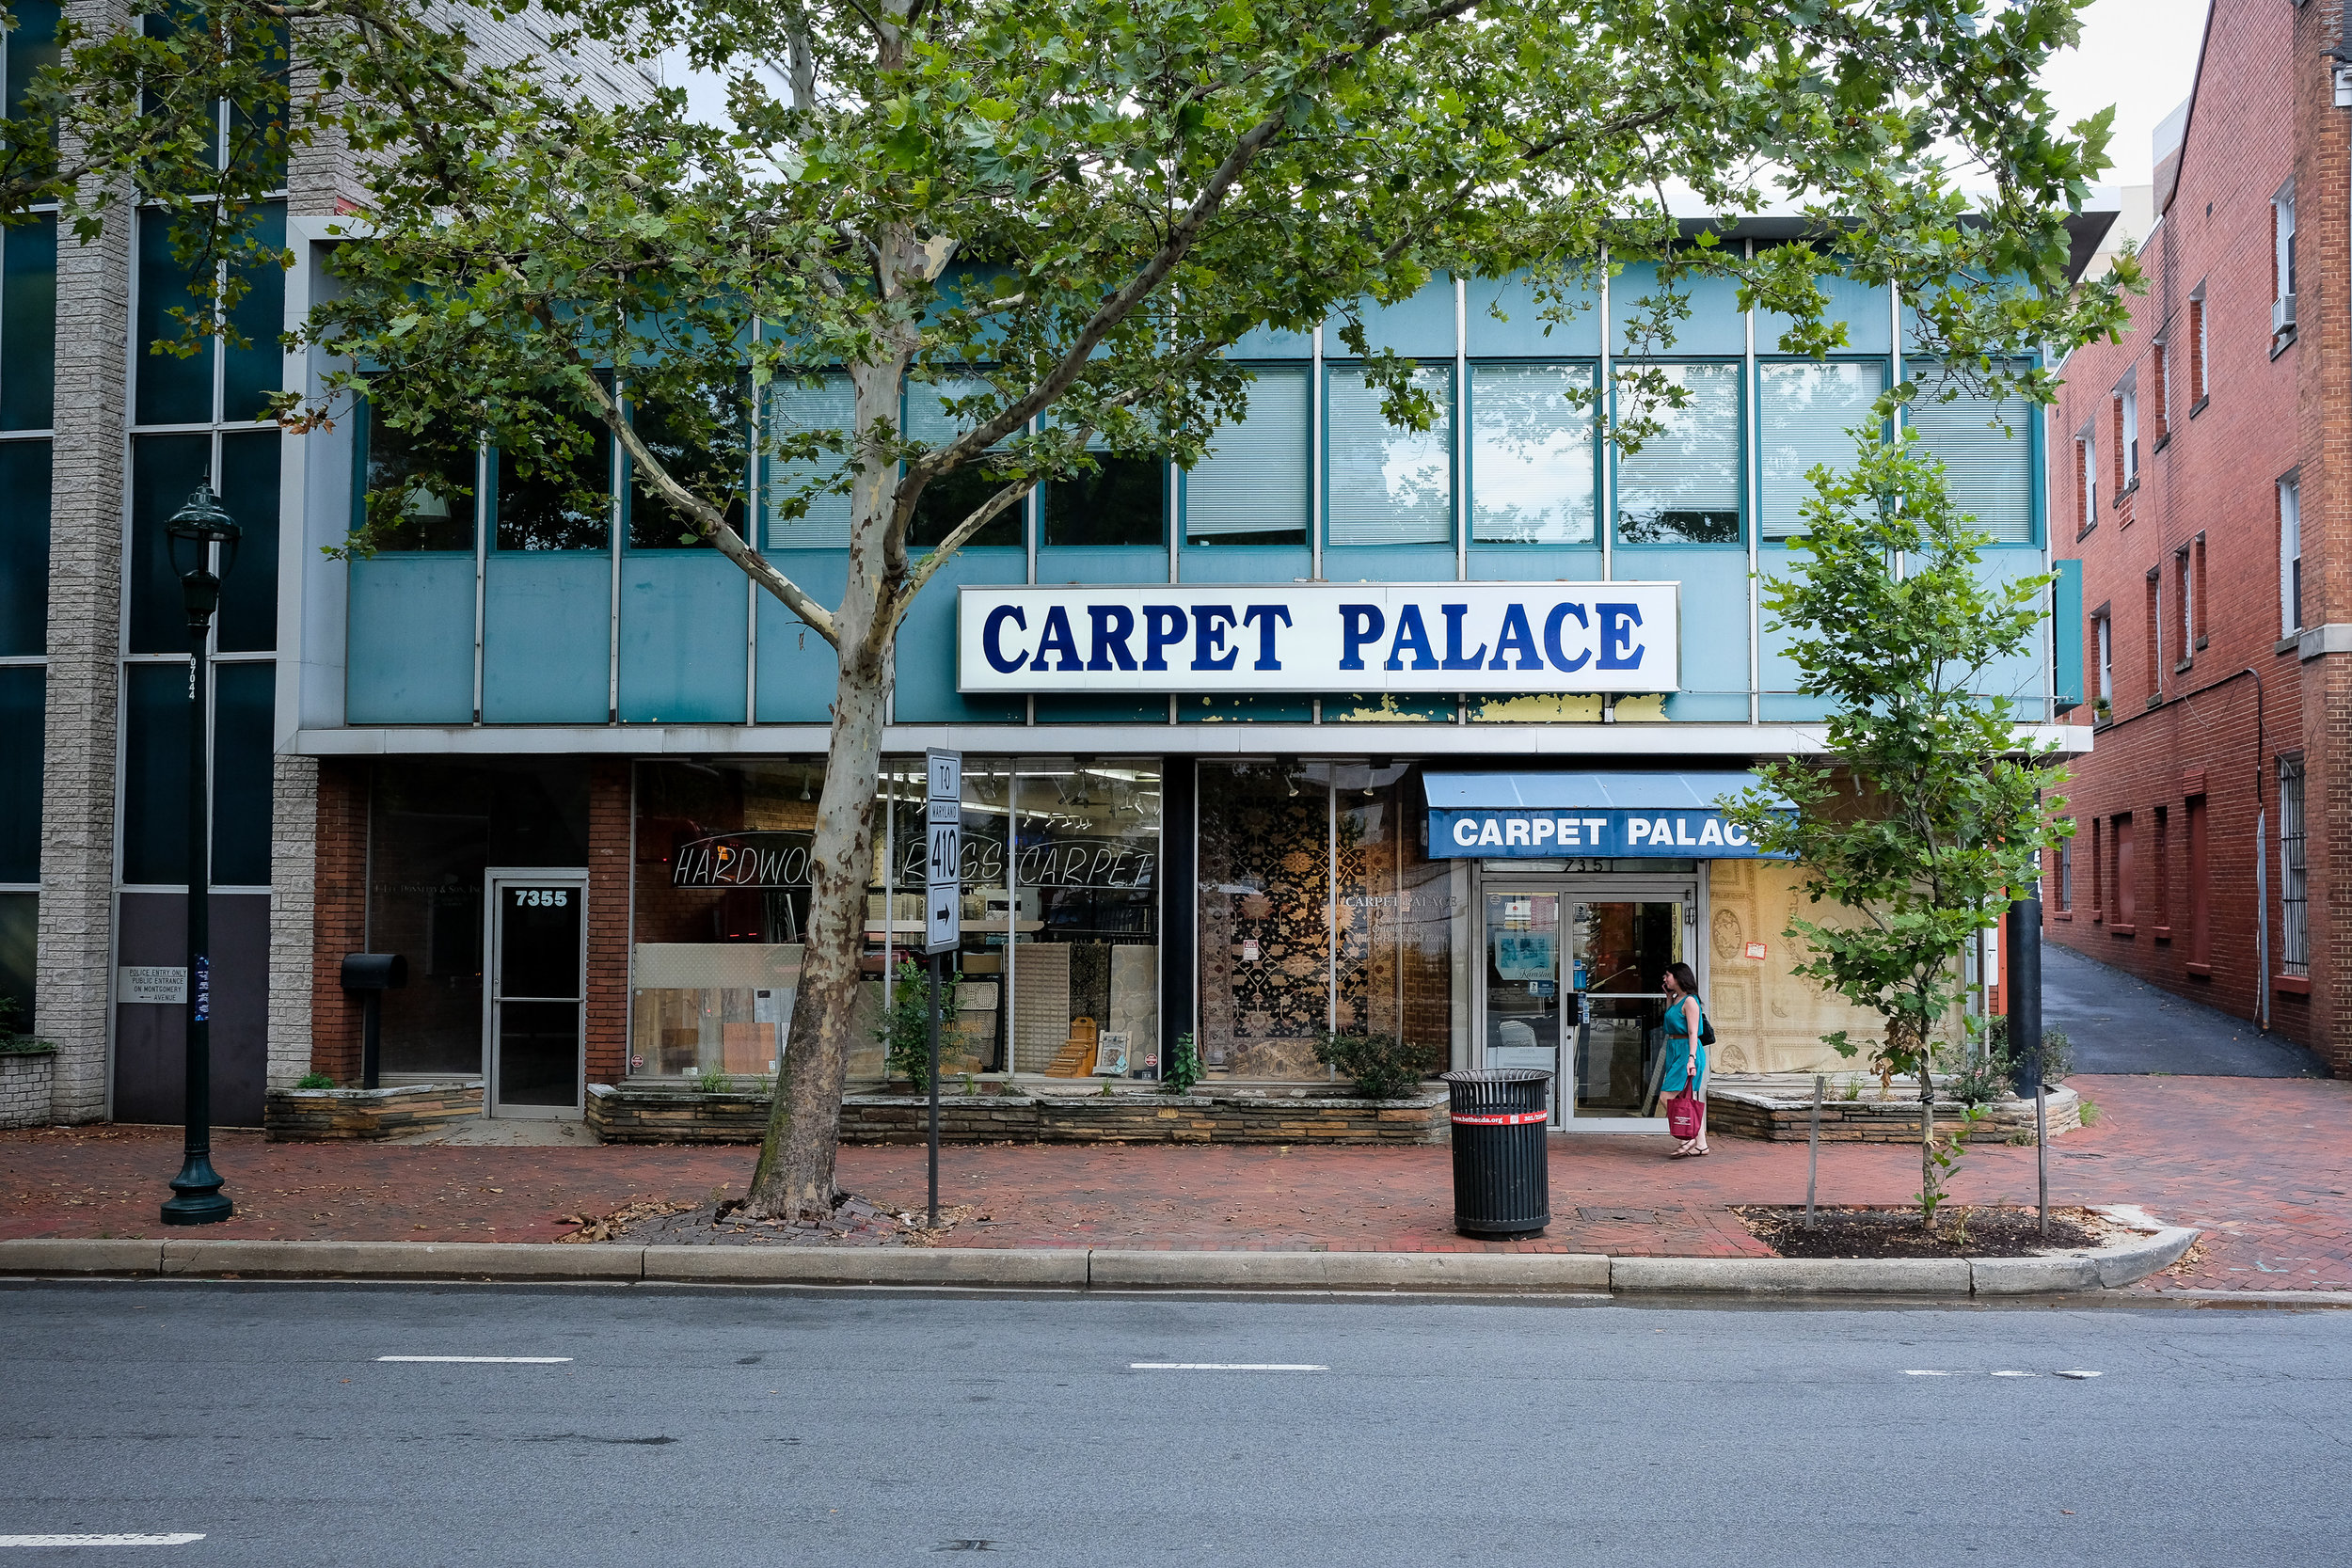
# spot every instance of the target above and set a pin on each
(2295, 950)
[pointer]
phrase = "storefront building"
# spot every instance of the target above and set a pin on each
(1347, 728)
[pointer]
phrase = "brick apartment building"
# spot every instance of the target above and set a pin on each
(2204, 467)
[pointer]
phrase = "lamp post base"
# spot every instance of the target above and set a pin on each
(200, 1200)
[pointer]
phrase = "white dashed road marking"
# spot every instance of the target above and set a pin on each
(98, 1540)
(1224, 1367)
(481, 1360)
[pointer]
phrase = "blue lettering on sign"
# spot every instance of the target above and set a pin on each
(1056, 635)
(1163, 628)
(1411, 634)
(1618, 622)
(1533, 834)
(992, 633)
(1209, 623)
(1514, 633)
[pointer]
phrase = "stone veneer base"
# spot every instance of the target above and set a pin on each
(323, 1116)
(26, 1081)
(645, 1114)
(1770, 1112)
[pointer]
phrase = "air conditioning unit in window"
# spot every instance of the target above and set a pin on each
(2282, 314)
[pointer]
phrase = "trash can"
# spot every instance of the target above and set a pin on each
(1502, 1170)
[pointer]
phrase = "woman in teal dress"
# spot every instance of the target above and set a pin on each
(1686, 1021)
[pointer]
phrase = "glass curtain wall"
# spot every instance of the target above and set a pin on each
(1319, 909)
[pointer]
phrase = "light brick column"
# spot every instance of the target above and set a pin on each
(292, 910)
(74, 969)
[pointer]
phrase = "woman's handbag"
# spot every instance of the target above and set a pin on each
(1686, 1114)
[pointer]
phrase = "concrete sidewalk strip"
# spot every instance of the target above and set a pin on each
(400, 1260)
(1041, 1268)
(1184, 1270)
(1941, 1277)
(80, 1255)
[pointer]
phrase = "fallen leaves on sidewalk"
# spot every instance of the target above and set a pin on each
(605, 1226)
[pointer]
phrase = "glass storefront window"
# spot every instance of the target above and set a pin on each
(722, 902)
(1086, 896)
(1319, 909)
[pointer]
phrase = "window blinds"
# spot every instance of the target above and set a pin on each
(1805, 415)
(1388, 485)
(1254, 478)
(1683, 486)
(1988, 457)
(1530, 455)
(827, 405)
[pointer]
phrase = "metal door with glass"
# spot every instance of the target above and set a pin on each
(1619, 946)
(1523, 1005)
(535, 998)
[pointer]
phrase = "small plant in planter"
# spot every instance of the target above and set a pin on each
(905, 1030)
(1383, 1066)
(1184, 1067)
(712, 1081)
(12, 1043)
(314, 1080)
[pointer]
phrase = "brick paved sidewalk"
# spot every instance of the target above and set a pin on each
(2265, 1166)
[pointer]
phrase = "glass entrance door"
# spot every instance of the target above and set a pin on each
(1525, 1013)
(538, 954)
(1618, 950)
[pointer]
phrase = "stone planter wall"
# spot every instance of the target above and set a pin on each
(646, 1113)
(1782, 1113)
(24, 1080)
(322, 1115)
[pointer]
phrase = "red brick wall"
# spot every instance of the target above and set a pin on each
(2264, 114)
(608, 921)
(341, 917)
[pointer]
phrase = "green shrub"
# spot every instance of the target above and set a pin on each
(905, 1030)
(712, 1081)
(2058, 1052)
(1383, 1066)
(1184, 1067)
(314, 1080)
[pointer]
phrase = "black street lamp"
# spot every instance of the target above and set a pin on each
(195, 529)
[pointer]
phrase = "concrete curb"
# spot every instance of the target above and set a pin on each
(1104, 1269)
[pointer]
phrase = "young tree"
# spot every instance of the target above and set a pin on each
(1059, 215)
(1922, 811)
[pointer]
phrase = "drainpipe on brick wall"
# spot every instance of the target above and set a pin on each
(2262, 865)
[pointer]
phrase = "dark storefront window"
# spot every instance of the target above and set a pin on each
(434, 828)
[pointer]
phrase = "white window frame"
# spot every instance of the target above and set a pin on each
(2128, 397)
(2282, 243)
(2290, 556)
(2103, 627)
(2201, 378)
(2185, 573)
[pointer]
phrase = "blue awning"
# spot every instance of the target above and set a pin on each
(1548, 816)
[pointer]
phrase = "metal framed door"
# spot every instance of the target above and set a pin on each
(535, 996)
(1621, 933)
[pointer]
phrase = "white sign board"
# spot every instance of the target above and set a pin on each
(942, 861)
(146, 983)
(1353, 636)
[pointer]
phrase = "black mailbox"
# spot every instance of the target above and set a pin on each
(372, 974)
(374, 971)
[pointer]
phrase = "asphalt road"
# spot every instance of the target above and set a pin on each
(2116, 1023)
(769, 1428)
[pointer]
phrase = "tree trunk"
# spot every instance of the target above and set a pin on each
(794, 1179)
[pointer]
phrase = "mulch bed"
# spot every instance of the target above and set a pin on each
(855, 1222)
(1960, 1231)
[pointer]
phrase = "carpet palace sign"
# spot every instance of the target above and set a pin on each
(1359, 637)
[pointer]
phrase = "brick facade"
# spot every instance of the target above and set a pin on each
(2204, 711)
(608, 799)
(339, 915)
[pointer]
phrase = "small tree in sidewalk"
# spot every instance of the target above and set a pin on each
(1923, 810)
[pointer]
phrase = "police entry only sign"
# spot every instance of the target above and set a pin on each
(1359, 637)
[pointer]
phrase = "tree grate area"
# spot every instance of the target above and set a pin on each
(1960, 1231)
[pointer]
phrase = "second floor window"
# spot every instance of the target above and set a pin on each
(2290, 557)
(2103, 638)
(2127, 412)
(2282, 263)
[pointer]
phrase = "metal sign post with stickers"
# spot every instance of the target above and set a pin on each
(942, 906)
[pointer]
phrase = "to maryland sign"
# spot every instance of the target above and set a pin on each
(1359, 637)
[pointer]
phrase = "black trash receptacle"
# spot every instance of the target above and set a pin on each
(1502, 1170)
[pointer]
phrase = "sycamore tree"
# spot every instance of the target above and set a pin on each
(1922, 813)
(1058, 216)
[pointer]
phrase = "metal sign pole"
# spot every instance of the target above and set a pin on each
(943, 910)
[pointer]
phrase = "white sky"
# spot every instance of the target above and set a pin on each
(2139, 55)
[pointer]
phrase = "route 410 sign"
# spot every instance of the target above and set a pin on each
(942, 886)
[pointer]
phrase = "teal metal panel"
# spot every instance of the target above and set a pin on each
(1714, 622)
(1524, 334)
(1389, 563)
(1535, 564)
(1862, 307)
(798, 671)
(1207, 709)
(1779, 700)
(1244, 563)
(547, 637)
(408, 654)
(1716, 324)
(1267, 342)
(2066, 630)
(2018, 678)
(1421, 327)
(927, 645)
(1092, 563)
(684, 643)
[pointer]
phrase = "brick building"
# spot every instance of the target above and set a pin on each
(2202, 467)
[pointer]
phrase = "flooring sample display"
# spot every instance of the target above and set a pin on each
(1041, 1004)
(1135, 1003)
